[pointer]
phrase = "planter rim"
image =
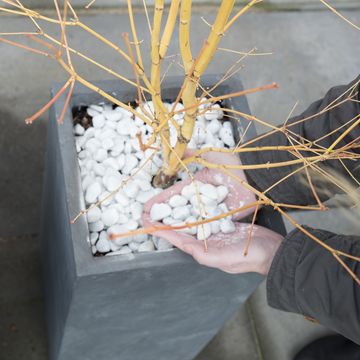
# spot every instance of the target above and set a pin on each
(86, 263)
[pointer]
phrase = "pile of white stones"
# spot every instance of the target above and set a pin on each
(111, 160)
(197, 201)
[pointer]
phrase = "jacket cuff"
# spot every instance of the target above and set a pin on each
(281, 278)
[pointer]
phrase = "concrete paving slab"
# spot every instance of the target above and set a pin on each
(339, 221)
(237, 340)
(281, 335)
(22, 326)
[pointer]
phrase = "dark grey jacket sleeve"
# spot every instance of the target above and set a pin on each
(294, 189)
(305, 278)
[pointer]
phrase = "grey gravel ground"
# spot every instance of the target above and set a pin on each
(312, 51)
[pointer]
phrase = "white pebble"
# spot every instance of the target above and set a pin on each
(86, 181)
(177, 200)
(144, 185)
(93, 238)
(215, 226)
(136, 210)
(134, 246)
(122, 199)
(132, 225)
(209, 140)
(111, 162)
(131, 189)
(79, 130)
(100, 155)
(89, 164)
(103, 245)
(92, 193)
(98, 121)
(123, 127)
(112, 182)
(118, 148)
(80, 141)
(169, 221)
(222, 193)
(97, 108)
(180, 213)
(203, 231)
(109, 217)
(124, 250)
(113, 247)
(119, 229)
(99, 169)
(199, 134)
(140, 238)
(202, 200)
(111, 125)
(209, 191)
(214, 112)
(130, 163)
(107, 143)
(92, 145)
(109, 199)
(227, 136)
(214, 126)
(144, 196)
(92, 112)
(93, 215)
(123, 219)
(113, 115)
(121, 161)
(227, 226)
(162, 244)
(160, 211)
(96, 226)
(146, 246)
(223, 208)
(189, 191)
(193, 229)
(89, 133)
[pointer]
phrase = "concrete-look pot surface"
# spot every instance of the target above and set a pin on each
(145, 306)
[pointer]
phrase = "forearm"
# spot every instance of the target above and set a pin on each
(305, 278)
(321, 122)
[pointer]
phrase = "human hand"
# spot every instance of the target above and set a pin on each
(239, 195)
(225, 251)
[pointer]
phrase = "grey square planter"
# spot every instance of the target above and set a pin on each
(147, 306)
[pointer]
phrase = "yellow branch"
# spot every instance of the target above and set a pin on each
(169, 28)
(184, 35)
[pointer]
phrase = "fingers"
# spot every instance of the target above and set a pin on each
(183, 241)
